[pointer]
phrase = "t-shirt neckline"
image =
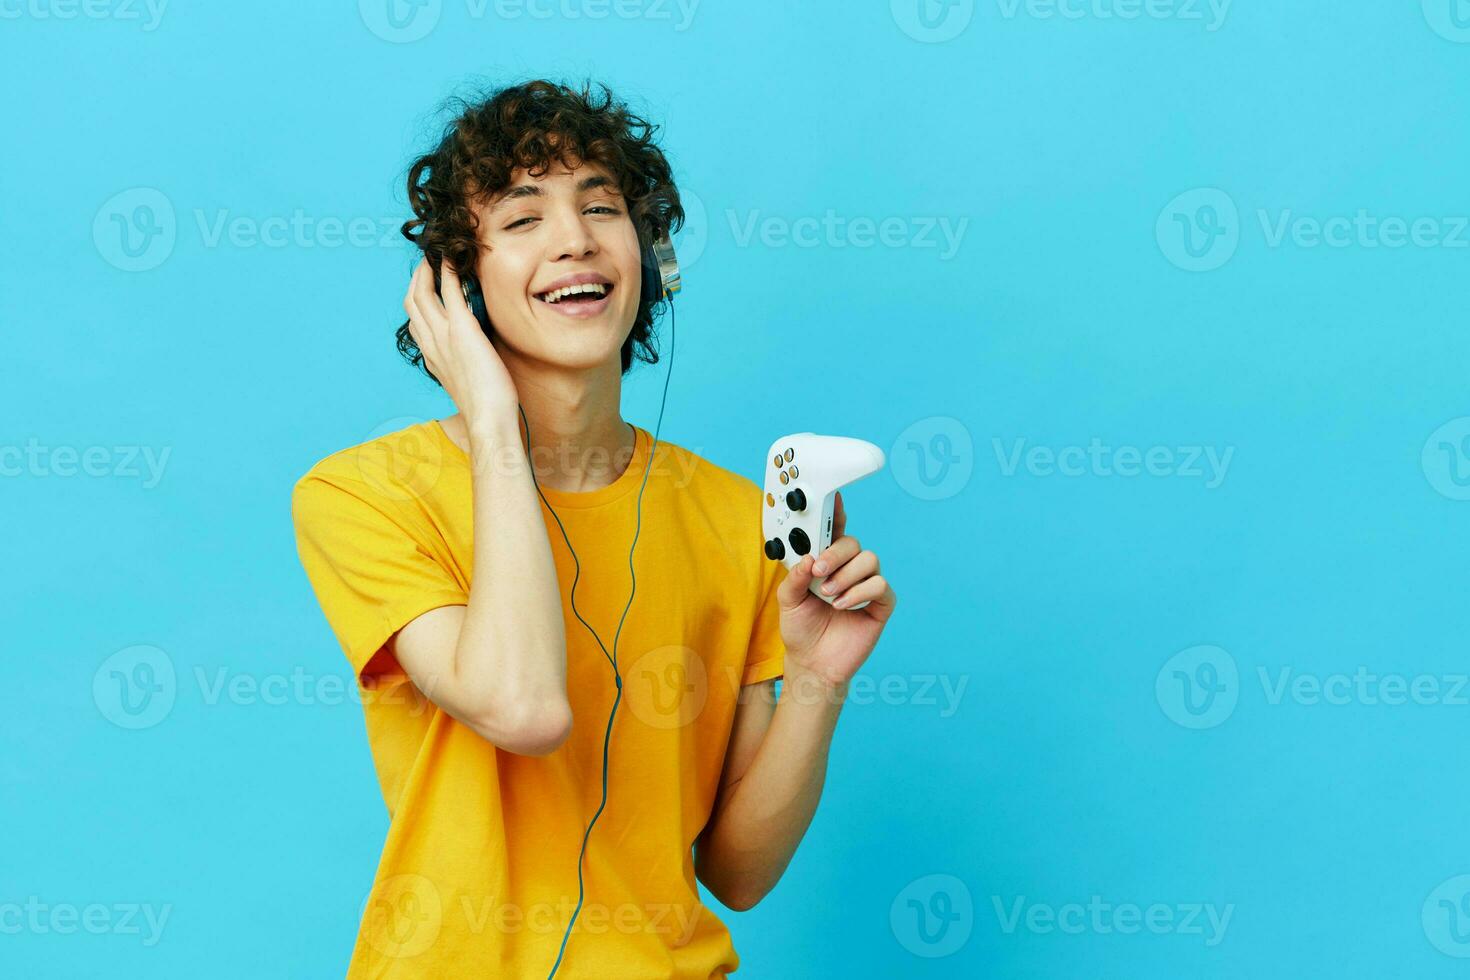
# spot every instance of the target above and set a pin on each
(630, 478)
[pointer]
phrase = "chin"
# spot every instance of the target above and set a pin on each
(584, 356)
(585, 346)
(574, 346)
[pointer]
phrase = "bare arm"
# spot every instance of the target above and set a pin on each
(770, 787)
(498, 664)
(777, 760)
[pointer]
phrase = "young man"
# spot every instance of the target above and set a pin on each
(446, 557)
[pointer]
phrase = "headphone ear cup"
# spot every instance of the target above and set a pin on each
(652, 277)
(476, 300)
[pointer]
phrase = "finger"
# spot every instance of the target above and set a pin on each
(839, 518)
(411, 307)
(792, 591)
(424, 345)
(453, 290)
(836, 554)
(412, 298)
(413, 279)
(421, 332)
(427, 297)
(875, 591)
(863, 565)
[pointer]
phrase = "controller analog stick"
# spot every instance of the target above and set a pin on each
(800, 543)
(775, 550)
(796, 500)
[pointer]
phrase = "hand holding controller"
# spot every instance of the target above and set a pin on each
(804, 471)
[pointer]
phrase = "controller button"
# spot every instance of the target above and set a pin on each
(778, 461)
(789, 453)
(775, 550)
(794, 473)
(800, 543)
(784, 478)
(770, 500)
(796, 500)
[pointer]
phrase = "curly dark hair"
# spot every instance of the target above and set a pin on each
(528, 126)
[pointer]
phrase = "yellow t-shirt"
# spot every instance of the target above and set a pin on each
(478, 875)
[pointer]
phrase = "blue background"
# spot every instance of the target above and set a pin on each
(1066, 315)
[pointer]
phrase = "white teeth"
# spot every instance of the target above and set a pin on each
(555, 295)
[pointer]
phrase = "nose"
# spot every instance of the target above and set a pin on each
(572, 237)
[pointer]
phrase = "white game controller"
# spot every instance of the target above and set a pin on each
(804, 471)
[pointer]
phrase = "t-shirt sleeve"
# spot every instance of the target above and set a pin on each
(370, 574)
(766, 656)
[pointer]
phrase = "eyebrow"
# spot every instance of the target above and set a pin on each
(534, 190)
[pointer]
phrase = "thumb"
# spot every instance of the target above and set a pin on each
(792, 591)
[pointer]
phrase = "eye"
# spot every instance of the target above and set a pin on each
(595, 207)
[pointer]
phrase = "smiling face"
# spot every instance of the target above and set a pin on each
(568, 227)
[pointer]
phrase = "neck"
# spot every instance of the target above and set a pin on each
(578, 439)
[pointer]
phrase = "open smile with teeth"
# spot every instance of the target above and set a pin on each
(587, 292)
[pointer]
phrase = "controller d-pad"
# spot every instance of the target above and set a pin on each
(775, 550)
(800, 543)
(796, 500)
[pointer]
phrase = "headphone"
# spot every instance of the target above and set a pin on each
(660, 281)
